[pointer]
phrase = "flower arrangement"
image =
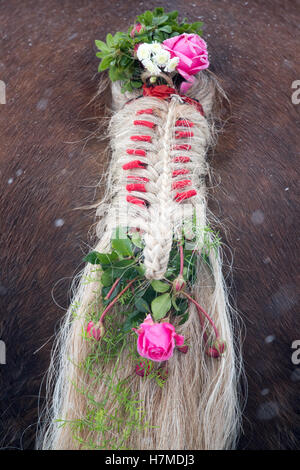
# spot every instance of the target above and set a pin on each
(148, 309)
(157, 43)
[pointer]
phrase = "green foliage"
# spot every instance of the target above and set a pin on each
(110, 429)
(121, 243)
(117, 53)
(125, 263)
(158, 297)
(160, 286)
(204, 241)
(141, 305)
(133, 320)
(160, 306)
(160, 25)
(136, 239)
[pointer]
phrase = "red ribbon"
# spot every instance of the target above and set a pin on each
(159, 91)
(164, 92)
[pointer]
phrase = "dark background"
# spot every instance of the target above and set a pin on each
(50, 163)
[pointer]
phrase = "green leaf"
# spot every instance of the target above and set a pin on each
(182, 306)
(101, 258)
(170, 272)
(121, 243)
(166, 29)
(159, 36)
(162, 19)
(136, 84)
(197, 25)
(160, 306)
(133, 320)
(124, 263)
(105, 63)
(101, 54)
(173, 15)
(129, 87)
(141, 269)
(92, 258)
(101, 45)
(160, 286)
(174, 303)
(109, 40)
(110, 274)
(125, 61)
(148, 17)
(136, 239)
(107, 258)
(158, 11)
(141, 305)
(107, 278)
(115, 74)
(130, 273)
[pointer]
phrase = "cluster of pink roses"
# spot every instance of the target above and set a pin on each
(191, 51)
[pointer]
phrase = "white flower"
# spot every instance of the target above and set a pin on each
(156, 47)
(154, 57)
(144, 51)
(162, 57)
(172, 64)
(149, 65)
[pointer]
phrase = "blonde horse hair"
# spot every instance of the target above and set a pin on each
(199, 405)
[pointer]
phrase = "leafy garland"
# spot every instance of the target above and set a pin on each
(159, 298)
(118, 53)
(122, 266)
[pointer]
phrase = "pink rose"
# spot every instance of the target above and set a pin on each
(192, 53)
(136, 29)
(95, 331)
(216, 349)
(156, 341)
(179, 283)
(183, 349)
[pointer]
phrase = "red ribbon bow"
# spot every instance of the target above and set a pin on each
(164, 92)
(159, 91)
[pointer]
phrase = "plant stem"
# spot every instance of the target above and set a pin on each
(181, 259)
(200, 309)
(112, 288)
(112, 303)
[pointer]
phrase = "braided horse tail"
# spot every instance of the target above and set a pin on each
(156, 184)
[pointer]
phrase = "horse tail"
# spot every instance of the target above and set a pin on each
(156, 184)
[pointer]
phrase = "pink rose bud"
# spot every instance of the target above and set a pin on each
(184, 349)
(140, 369)
(95, 331)
(216, 349)
(192, 53)
(156, 341)
(136, 29)
(179, 283)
